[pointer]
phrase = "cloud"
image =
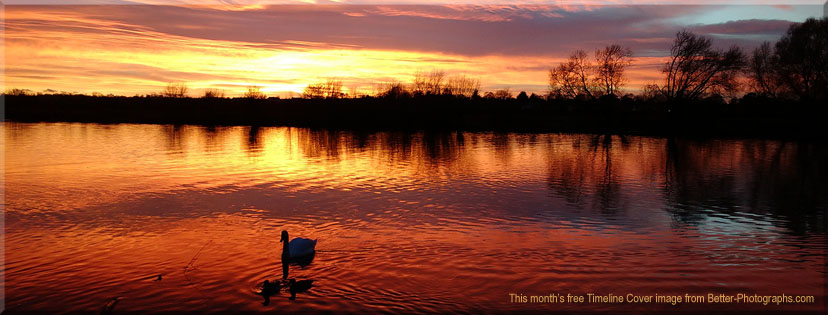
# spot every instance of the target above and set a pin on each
(464, 30)
(783, 6)
(254, 4)
(137, 49)
(745, 27)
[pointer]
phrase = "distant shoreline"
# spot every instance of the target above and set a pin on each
(749, 118)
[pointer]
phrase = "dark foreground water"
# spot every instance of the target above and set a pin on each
(405, 221)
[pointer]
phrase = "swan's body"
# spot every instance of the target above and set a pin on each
(301, 247)
(299, 250)
(297, 247)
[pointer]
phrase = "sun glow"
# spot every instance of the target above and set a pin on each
(137, 50)
(145, 62)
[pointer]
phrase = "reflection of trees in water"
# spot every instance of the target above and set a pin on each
(254, 140)
(438, 148)
(15, 130)
(319, 143)
(586, 170)
(357, 142)
(696, 176)
(608, 190)
(501, 144)
(603, 173)
(215, 136)
(172, 134)
(569, 171)
(177, 138)
(397, 146)
(211, 135)
(784, 179)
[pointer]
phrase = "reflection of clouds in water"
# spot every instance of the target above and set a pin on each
(601, 177)
(628, 180)
(448, 214)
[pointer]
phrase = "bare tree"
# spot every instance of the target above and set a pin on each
(610, 64)
(652, 92)
(354, 91)
(583, 68)
(429, 82)
(254, 92)
(460, 85)
(213, 93)
(175, 89)
(762, 71)
(332, 88)
(695, 69)
(573, 77)
(314, 90)
(563, 83)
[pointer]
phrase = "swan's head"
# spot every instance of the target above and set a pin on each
(284, 236)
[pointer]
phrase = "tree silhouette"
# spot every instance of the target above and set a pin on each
(329, 89)
(254, 92)
(460, 85)
(610, 64)
(333, 88)
(18, 92)
(579, 76)
(213, 93)
(503, 94)
(563, 81)
(803, 58)
(762, 71)
(583, 69)
(175, 89)
(696, 70)
(394, 90)
(429, 82)
(522, 97)
(314, 90)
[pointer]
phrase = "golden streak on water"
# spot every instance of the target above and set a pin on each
(406, 222)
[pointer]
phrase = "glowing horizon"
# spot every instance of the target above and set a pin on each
(139, 49)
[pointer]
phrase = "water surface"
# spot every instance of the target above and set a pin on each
(406, 221)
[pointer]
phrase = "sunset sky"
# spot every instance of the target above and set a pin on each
(229, 45)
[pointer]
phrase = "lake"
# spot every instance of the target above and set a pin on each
(405, 221)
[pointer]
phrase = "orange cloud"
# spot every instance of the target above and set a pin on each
(139, 49)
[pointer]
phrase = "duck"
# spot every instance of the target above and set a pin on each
(268, 289)
(297, 247)
(298, 286)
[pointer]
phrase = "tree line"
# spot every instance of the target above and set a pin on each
(793, 68)
(425, 83)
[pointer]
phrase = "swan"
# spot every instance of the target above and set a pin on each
(297, 247)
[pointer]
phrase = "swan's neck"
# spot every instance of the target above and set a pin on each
(285, 249)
